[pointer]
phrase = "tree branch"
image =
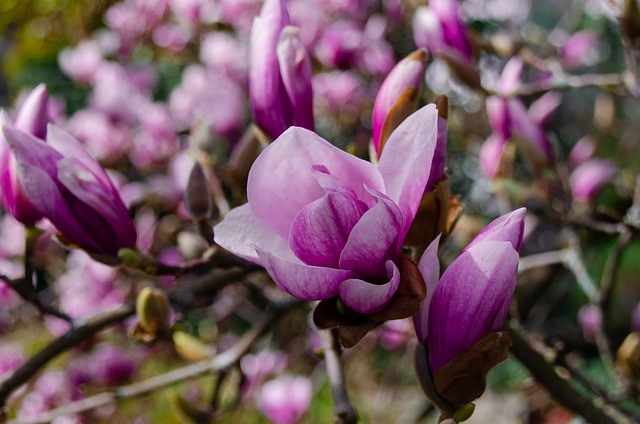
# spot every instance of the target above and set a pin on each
(344, 413)
(93, 325)
(558, 388)
(219, 363)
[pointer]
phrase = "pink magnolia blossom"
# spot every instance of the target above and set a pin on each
(70, 188)
(32, 118)
(589, 178)
(324, 223)
(403, 81)
(439, 28)
(473, 296)
(279, 72)
(509, 116)
(285, 399)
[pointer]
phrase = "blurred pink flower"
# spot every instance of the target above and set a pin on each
(81, 62)
(589, 178)
(285, 399)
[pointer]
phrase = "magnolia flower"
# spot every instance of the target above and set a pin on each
(439, 28)
(31, 119)
(509, 116)
(69, 187)
(470, 300)
(285, 399)
(397, 97)
(279, 72)
(588, 179)
(327, 225)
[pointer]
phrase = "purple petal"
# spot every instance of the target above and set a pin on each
(582, 151)
(70, 147)
(532, 132)
(498, 116)
(320, 230)
(367, 298)
(511, 76)
(240, 232)
(540, 110)
(454, 31)
(405, 163)
(33, 151)
(408, 73)
(47, 198)
(295, 70)
(471, 299)
(369, 243)
(108, 206)
(430, 269)
(508, 227)
(265, 85)
(491, 155)
(33, 115)
(281, 182)
(303, 281)
(589, 178)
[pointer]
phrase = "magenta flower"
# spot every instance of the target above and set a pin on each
(66, 185)
(473, 295)
(589, 178)
(508, 117)
(324, 223)
(279, 72)
(439, 28)
(285, 399)
(31, 119)
(397, 97)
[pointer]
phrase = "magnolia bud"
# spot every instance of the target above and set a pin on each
(152, 308)
(191, 348)
(628, 356)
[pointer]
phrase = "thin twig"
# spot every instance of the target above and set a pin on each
(344, 413)
(558, 388)
(93, 325)
(538, 260)
(219, 363)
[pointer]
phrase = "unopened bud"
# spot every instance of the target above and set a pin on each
(464, 412)
(152, 308)
(197, 197)
(191, 348)
(628, 356)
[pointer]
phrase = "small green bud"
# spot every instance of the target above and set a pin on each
(130, 257)
(191, 348)
(152, 307)
(464, 412)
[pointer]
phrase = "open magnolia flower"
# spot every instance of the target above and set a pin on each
(329, 226)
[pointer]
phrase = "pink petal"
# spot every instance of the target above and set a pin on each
(47, 198)
(471, 300)
(281, 182)
(540, 110)
(303, 281)
(590, 177)
(241, 233)
(70, 147)
(295, 70)
(508, 227)
(371, 238)
(320, 230)
(491, 155)
(511, 76)
(405, 163)
(367, 298)
(429, 266)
